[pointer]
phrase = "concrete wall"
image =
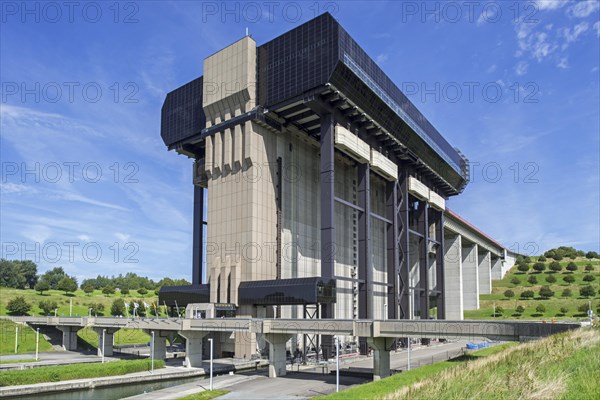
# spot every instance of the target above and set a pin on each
(470, 264)
(454, 277)
(485, 272)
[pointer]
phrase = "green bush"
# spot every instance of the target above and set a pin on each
(499, 310)
(527, 259)
(527, 294)
(569, 278)
(541, 308)
(542, 258)
(18, 306)
(591, 254)
(587, 291)
(42, 286)
(551, 279)
(515, 281)
(555, 266)
(48, 306)
(77, 371)
(509, 294)
(589, 268)
(567, 293)
(564, 310)
(520, 309)
(142, 291)
(572, 266)
(589, 278)
(523, 267)
(539, 266)
(532, 279)
(545, 292)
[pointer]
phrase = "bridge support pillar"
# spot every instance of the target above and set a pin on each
(160, 343)
(470, 263)
(454, 277)
(105, 340)
(277, 354)
(496, 268)
(193, 348)
(485, 272)
(381, 356)
(69, 337)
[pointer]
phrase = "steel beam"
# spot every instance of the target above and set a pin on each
(198, 235)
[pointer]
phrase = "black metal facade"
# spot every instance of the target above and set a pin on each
(182, 115)
(294, 291)
(181, 296)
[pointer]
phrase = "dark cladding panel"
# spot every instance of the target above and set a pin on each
(297, 61)
(182, 115)
(312, 290)
(184, 295)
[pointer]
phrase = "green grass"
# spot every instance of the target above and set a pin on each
(563, 366)
(206, 395)
(379, 389)
(23, 360)
(78, 371)
(122, 336)
(81, 300)
(26, 339)
(553, 304)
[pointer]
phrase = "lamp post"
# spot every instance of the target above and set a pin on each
(103, 338)
(408, 366)
(210, 387)
(56, 312)
(152, 351)
(337, 364)
(16, 338)
(90, 312)
(70, 307)
(385, 313)
(37, 344)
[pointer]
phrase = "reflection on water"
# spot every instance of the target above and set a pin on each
(111, 392)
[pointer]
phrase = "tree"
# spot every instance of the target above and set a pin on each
(542, 258)
(589, 278)
(141, 310)
(589, 268)
(519, 260)
(42, 286)
(520, 309)
(108, 290)
(564, 310)
(523, 267)
(591, 254)
(567, 293)
(67, 284)
(587, 291)
(527, 259)
(541, 308)
(572, 266)
(545, 292)
(47, 306)
(142, 291)
(498, 311)
(532, 279)
(54, 276)
(583, 308)
(555, 266)
(509, 294)
(18, 306)
(96, 308)
(124, 290)
(569, 278)
(28, 270)
(88, 288)
(551, 279)
(557, 257)
(527, 294)
(539, 266)
(118, 307)
(515, 281)
(10, 276)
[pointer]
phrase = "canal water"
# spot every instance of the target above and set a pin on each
(111, 392)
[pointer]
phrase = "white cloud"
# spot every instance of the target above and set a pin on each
(571, 35)
(381, 58)
(9, 187)
(37, 233)
(84, 238)
(550, 4)
(521, 68)
(536, 44)
(491, 69)
(87, 200)
(563, 63)
(597, 28)
(123, 237)
(582, 9)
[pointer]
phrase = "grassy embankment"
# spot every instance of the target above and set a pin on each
(77, 371)
(564, 366)
(206, 395)
(26, 339)
(552, 304)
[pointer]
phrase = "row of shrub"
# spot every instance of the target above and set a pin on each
(552, 279)
(76, 371)
(554, 266)
(545, 292)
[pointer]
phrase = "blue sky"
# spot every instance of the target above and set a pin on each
(87, 182)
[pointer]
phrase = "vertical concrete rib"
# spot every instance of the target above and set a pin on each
(198, 235)
(403, 246)
(453, 277)
(485, 272)
(423, 229)
(392, 250)
(365, 271)
(496, 268)
(470, 260)
(327, 182)
(439, 265)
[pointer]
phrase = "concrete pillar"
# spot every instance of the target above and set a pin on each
(108, 335)
(485, 272)
(198, 235)
(193, 348)
(69, 337)
(496, 268)
(160, 343)
(381, 356)
(470, 266)
(453, 277)
(277, 353)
